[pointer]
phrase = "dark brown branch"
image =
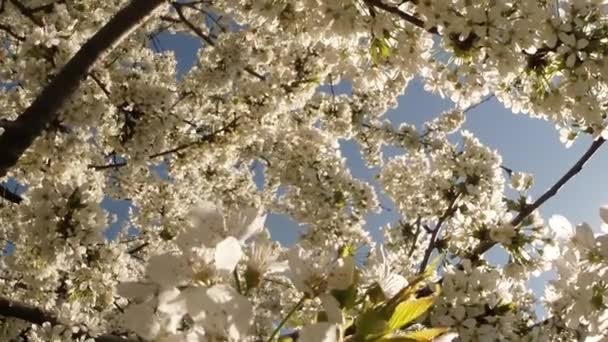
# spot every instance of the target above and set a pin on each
(204, 139)
(207, 138)
(405, 16)
(180, 13)
(11, 33)
(448, 212)
(138, 248)
(14, 309)
(107, 166)
(9, 195)
(485, 245)
(9, 308)
(43, 110)
(26, 12)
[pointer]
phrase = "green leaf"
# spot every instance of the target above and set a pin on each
(395, 339)
(339, 199)
(425, 335)
(370, 323)
(379, 50)
(415, 284)
(408, 311)
(347, 298)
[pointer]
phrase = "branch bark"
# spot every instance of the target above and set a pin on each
(14, 309)
(31, 123)
(552, 191)
(9, 195)
(427, 253)
(405, 16)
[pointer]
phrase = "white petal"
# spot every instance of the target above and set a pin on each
(342, 276)
(561, 227)
(140, 319)
(208, 228)
(449, 337)
(278, 267)
(245, 222)
(168, 270)
(582, 43)
(299, 271)
(332, 308)
(604, 213)
(392, 284)
(584, 236)
(170, 301)
(255, 227)
(551, 252)
(171, 309)
(228, 253)
(319, 332)
(571, 60)
(136, 291)
(220, 310)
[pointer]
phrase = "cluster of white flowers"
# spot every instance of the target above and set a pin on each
(254, 128)
(576, 300)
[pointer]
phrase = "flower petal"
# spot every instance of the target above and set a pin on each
(228, 253)
(561, 227)
(319, 332)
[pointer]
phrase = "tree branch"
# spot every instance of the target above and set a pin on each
(206, 138)
(552, 191)
(29, 125)
(427, 254)
(9, 195)
(405, 16)
(24, 312)
(11, 33)
(180, 13)
(26, 12)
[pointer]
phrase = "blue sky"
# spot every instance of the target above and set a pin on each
(529, 145)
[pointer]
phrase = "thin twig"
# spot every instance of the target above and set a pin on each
(485, 245)
(26, 12)
(205, 139)
(11, 33)
(286, 318)
(180, 13)
(178, 8)
(138, 248)
(405, 16)
(448, 212)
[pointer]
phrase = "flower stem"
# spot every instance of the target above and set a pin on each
(287, 317)
(237, 280)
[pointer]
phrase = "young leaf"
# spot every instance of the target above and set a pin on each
(380, 50)
(425, 335)
(408, 311)
(370, 323)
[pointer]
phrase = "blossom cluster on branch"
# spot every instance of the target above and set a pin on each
(91, 112)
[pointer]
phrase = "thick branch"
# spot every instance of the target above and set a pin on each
(9, 195)
(43, 110)
(9, 308)
(552, 191)
(13, 309)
